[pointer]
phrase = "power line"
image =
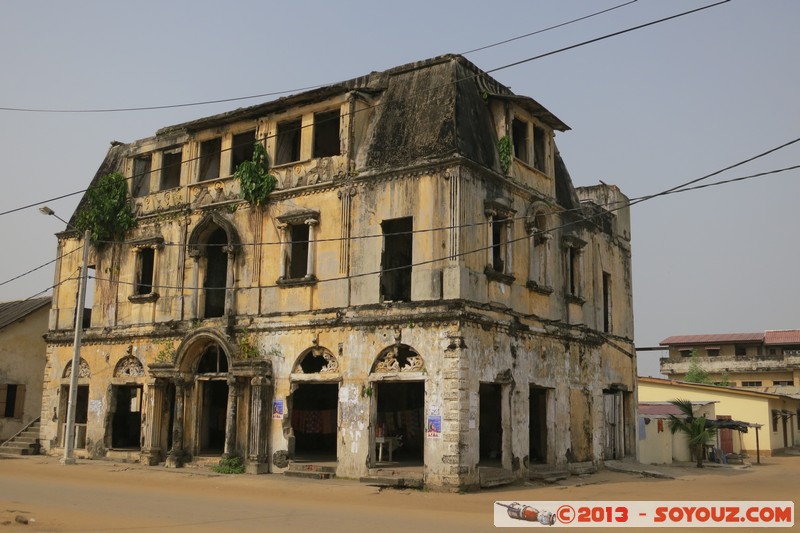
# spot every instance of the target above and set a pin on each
(373, 106)
(38, 267)
(276, 93)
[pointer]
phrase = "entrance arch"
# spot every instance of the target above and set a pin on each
(314, 405)
(397, 409)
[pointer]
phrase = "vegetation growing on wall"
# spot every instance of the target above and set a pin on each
(106, 211)
(248, 348)
(255, 181)
(229, 465)
(506, 151)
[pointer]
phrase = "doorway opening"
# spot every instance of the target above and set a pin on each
(400, 424)
(614, 447)
(81, 414)
(215, 409)
(537, 426)
(126, 422)
(490, 425)
(314, 408)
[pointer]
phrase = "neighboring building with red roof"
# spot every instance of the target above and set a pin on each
(768, 361)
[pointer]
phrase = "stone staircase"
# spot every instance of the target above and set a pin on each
(495, 477)
(26, 442)
(310, 471)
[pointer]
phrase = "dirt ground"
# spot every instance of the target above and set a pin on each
(108, 496)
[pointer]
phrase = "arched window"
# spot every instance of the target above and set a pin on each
(213, 244)
(212, 361)
(538, 250)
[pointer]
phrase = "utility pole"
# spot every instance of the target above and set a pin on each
(69, 436)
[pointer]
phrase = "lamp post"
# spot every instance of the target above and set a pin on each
(69, 437)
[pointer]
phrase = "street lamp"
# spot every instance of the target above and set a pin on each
(69, 442)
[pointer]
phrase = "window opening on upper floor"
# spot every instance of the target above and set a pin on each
(539, 149)
(144, 270)
(326, 134)
(740, 349)
(171, 163)
(288, 142)
(216, 273)
(607, 303)
(298, 253)
(499, 244)
(142, 165)
(519, 137)
(210, 152)
(242, 149)
(396, 259)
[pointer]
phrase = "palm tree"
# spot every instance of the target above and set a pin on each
(695, 428)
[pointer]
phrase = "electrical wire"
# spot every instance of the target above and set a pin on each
(289, 91)
(466, 78)
(31, 271)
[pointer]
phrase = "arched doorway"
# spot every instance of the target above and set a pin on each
(314, 405)
(124, 417)
(398, 391)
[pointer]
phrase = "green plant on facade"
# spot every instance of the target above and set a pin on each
(696, 373)
(255, 181)
(106, 211)
(248, 349)
(166, 352)
(695, 429)
(229, 465)
(506, 153)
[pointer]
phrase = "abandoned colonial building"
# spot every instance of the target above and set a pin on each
(423, 288)
(768, 361)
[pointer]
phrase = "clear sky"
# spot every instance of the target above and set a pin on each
(648, 110)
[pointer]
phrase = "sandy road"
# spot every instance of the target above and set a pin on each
(107, 496)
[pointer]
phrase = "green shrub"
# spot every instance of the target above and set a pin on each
(229, 465)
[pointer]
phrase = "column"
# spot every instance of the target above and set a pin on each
(175, 459)
(311, 223)
(194, 311)
(284, 251)
(257, 458)
(151, 449)
(229, 292)
(230, 418)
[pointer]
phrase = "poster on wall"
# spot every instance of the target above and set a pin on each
(277, 409)
(434, 427)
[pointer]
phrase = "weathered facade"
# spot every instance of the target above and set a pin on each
(22, 360)
(424, 283)
(768, 361)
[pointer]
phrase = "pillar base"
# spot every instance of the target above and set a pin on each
(256, 468)
(174, 460)
(150, 457)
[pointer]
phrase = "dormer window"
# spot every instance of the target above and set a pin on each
(519, 136)
(171, 161)
(530, 143)
(288, 142)
(210, 152)
(242, 148)
(326, 134)
(142, 165)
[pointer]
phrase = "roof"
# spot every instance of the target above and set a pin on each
(714, 338)
(713, 388)
(785, 336)
(10, 312)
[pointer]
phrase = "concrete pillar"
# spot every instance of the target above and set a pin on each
(257, 455)
(230, 418)
(229, 280)
(151, 449)
(283, 228)
(176, 456)
(311, 223)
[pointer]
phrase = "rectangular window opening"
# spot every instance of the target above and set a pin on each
(142, 166)
(210, 152)
(11, 397)
(539, 149)
(606, 302)
(498, 244)
(242, 149)
(519, 137)
(288, 142)
(741, 349)
(574, 280)
(396, 259)
(326, 134)
(144, 274)
(171, 168)
(751, 383)
(298, 257)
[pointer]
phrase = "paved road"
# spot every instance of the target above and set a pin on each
(106, 496)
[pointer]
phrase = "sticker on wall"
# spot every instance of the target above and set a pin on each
(434, 427)
(277, 409)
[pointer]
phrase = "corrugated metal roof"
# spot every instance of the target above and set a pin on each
(716, 339)
(785, 336)
(10, 312)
